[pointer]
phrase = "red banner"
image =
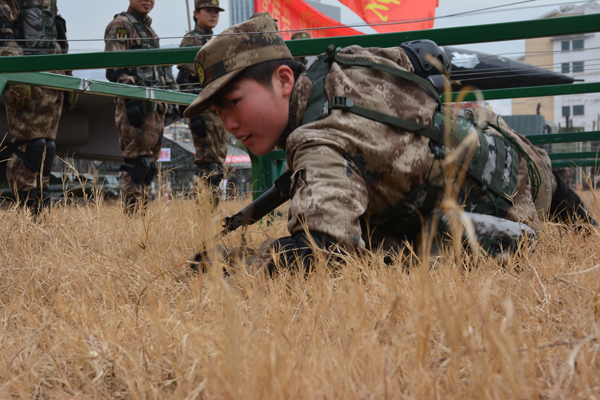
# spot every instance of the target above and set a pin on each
(297, 15)
(376, 12)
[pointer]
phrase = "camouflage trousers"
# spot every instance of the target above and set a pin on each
(21, 179)
(211, 148)
(145, 141)
(133, 193)
(39, 119)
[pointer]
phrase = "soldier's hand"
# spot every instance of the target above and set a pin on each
(136, 112)
(70, 101)
(173, 111)
(202, 261)
(198, 126)
(182, 109)
(19, 96)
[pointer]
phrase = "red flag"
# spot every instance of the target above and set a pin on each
(296, 14)
(385, 11)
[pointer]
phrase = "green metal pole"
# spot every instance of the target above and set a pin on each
(537, 91)
(3, 83)
(70, 83)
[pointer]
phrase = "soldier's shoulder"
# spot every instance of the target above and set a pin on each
(120, 19)
(190, 39)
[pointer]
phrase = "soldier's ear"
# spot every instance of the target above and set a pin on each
(283, 76)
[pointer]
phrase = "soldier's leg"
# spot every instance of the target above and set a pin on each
(567, 206)
(23, 171)
(211, 175)
(135, 174)
(48, 160)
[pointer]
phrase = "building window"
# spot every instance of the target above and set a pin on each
(566, 68)
(578, 110)
(578, 66)
(566, 111)
(578, 44)
(566, 46)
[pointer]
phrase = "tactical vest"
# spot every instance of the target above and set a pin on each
(202, 36)
(491, 177)
(38, 27)
(146, 76)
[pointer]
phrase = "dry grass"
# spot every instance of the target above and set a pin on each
(69, 328)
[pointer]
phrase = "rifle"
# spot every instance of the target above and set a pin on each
(267, 202)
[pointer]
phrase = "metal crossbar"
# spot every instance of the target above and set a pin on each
(70, 83)
(444, 37)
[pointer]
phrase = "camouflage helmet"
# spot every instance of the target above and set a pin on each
(301, 35)
(199, 4)
(226, 55)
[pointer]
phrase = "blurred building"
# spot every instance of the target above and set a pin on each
(240, 10)
(572, 55)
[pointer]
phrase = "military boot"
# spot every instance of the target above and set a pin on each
(568, 207)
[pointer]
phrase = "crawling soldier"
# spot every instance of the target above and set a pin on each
(365, 143)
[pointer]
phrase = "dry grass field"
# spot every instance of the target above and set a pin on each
(81, 316)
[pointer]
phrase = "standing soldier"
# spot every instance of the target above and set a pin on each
(302, 35)
(209, 136)
(33, 27)
(140, 123)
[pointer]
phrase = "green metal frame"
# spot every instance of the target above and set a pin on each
(70, 83)
(537, 91)
(573, 159)
(27, 69)
(445, 37)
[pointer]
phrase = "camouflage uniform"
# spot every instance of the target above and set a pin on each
(141, 142)
(33, 122)
(350, 170)
(208, 134)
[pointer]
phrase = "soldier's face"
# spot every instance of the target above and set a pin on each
(257, 115)
(207, 17)
(142, 6)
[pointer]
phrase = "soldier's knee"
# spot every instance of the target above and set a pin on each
(151, 173)
(33, 156)
(212, 172)
(49, 158)
(139, 171)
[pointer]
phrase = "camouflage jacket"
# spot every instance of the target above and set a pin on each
(348, 168)
(15, 23)
(122, 34)
(188, 79)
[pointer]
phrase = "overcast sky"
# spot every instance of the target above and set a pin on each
(87, 20)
